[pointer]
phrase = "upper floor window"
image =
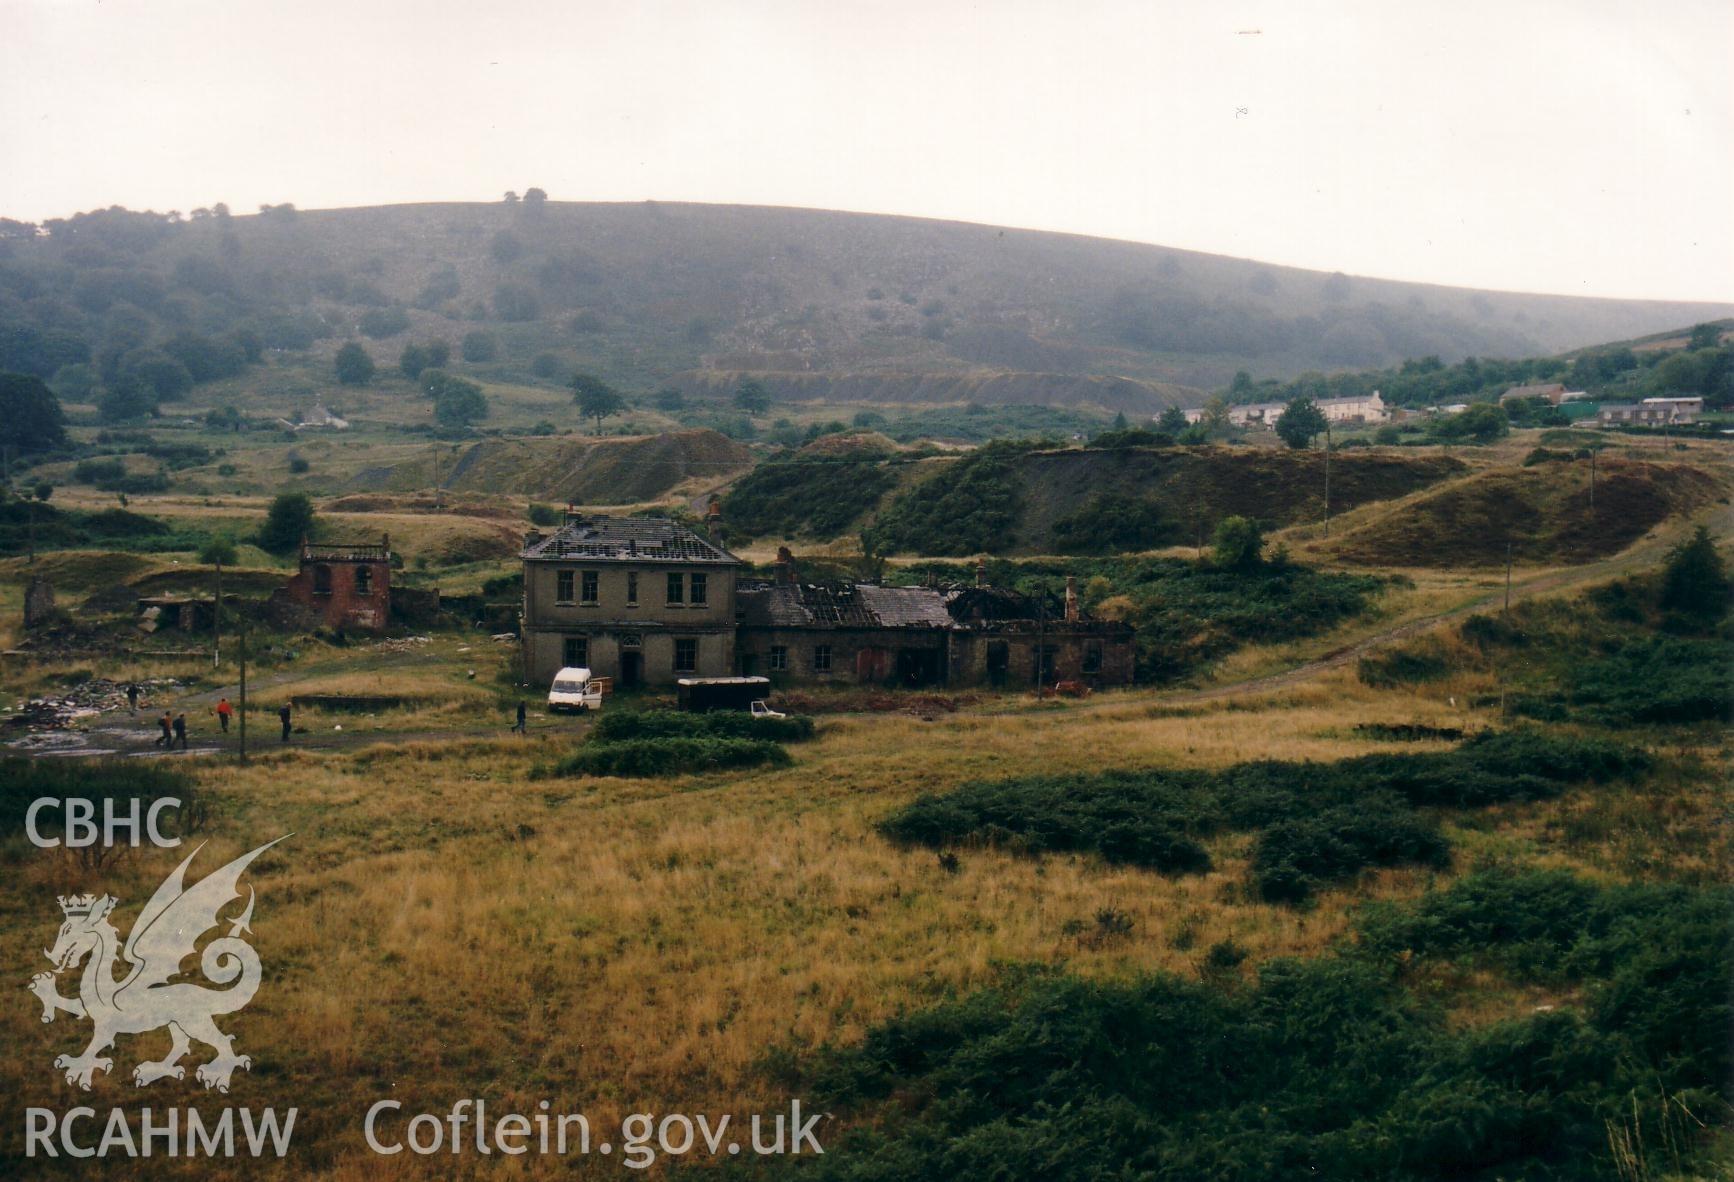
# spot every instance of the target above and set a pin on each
(364, 580)
(631, 588)
(589, 586)
(676, 588)
(698, 589)
(563, 586)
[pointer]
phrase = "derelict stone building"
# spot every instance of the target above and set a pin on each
(348, 585)
(646, 600)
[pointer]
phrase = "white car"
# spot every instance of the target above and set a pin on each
(574, 689)
(760, 710)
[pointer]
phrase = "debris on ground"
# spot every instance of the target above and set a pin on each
(402, 644)
(85, 700)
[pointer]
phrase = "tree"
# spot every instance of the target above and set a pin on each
(752, 397)
(1300, 423)
(669, 398)
(460, 403)
(1695, 581)
(534, 199)
(354, 366)
(1238, 544)
(596, 399)
(416, 358)
(132, 400)
(30, 416)
(1704, 336)
(218, 551)
(1215, 420)
(1483, 422)
(289, 519)
(223, 418)
(42, 491)
(480, 346)
(1172, 422)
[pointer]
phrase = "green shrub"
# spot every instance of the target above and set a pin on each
(1328, 1068)
(617, 726)
(969, 507)
(810, 497)
(1403, 666)
(669, 756)
(1110, 523)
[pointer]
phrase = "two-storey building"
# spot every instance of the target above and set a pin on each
(643, 600)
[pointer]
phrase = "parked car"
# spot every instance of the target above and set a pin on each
(574, 689)
(760, 710)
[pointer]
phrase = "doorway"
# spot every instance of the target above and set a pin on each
(631, 669)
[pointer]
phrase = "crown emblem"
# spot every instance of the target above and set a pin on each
(75, 905)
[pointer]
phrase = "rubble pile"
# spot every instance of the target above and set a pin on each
(86, 700)
(402, 644)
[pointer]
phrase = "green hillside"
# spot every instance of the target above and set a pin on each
(830, 307)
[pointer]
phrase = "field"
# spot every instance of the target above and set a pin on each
(461, 912)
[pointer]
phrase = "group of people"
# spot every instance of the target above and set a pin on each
(174, 726)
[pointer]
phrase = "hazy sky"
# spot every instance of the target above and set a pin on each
(1551, 145)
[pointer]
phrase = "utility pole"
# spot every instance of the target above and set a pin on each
(1508, 578)
(217, 621)
(1593, 481)
(243, 657)
(1327, 478)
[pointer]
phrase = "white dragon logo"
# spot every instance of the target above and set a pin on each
(165, 933)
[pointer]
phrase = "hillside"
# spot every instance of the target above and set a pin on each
(1008, 500)
(569, 468)
(1543, 513)
(829, 306)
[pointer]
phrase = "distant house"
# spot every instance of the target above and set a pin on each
(1554, 392)
(317, 419)
(1368, 408)
(1651, 412)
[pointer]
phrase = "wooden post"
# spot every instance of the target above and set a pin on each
(1508, 578)
(1327, 478)
(1593, 481)
(243, 656)
(217, 621)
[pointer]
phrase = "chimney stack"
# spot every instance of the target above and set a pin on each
(981, 572)
(713, 521)
(785, 567)
(1072, 598)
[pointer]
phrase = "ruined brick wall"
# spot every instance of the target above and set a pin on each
(342, 595)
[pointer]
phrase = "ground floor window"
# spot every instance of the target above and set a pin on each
(821, 658)
(1047, 653)
(1092, 658)
(575, 652)
(685, 654)
(779, 659)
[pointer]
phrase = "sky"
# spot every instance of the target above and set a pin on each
(1583, 147)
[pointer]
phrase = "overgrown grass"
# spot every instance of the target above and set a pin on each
(1315, 823)
(806, 496)
(1331, 1068)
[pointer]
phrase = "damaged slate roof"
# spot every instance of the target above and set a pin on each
(597, 538)
(842, 605)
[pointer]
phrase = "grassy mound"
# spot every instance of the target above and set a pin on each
(807, 496)
(617, 726)
(1543, 513)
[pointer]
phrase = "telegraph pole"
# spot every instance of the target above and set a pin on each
(217, 621)
(1508, 578)
(243, 690)
(1327, 478)
(1593, 481)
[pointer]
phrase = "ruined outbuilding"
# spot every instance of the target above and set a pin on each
(348, 585)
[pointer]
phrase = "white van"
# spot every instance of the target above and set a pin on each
(574, 689)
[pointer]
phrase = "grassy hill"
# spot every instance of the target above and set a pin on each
(833, 307)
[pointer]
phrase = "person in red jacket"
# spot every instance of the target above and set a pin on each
(224, 710)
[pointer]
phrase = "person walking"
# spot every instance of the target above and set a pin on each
(180, 730)
(283, 717)
(224, 710)
(523, 717)
(167, 738)
(132, 697)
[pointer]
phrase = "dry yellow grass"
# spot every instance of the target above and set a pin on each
(440, 925)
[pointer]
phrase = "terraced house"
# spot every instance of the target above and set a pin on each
(647, 601)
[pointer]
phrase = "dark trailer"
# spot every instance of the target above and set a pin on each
(721, 693)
